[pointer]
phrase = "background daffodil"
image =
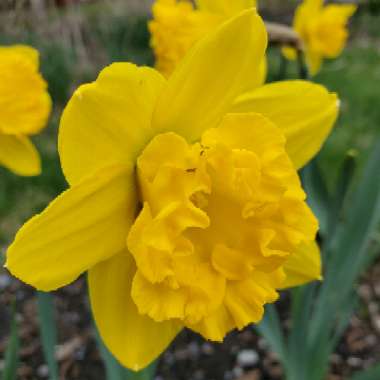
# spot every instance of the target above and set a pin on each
(184, 204)
(177, 25)
(323, 30)
(24, 108)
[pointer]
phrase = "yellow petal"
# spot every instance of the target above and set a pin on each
(108, 121)
(134, 339)
(226, 7)
(26, 51)
(24, 101)
(86, 224)
(208, 80)
(307, 11)
(303, 266)
(18, 154)
(175, 28)
(289, 53)
(314, 61)
(243, 304)
(305, 112)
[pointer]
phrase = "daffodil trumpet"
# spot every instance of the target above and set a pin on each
(184, 205)
(25, 106)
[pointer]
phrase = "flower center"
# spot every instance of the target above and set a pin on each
(216, 214)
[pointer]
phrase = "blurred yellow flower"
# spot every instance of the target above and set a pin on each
(177, 25)
(24, 108)
(184, 204)
(323, 30)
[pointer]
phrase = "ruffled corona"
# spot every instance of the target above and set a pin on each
(219, 219)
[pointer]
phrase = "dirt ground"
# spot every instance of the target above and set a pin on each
(243, 356)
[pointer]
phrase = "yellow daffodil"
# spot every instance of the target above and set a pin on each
(24, 108)
(177, 25)
(184, 205)
(323, 30)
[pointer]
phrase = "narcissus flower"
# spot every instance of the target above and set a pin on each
(184, 204)
(177, 25)
(24, 108)
(323, 30)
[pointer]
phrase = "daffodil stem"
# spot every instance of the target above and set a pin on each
(303, 71)
(282, 69)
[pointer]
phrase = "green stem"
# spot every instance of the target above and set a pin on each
(303, 71)
(282, 69)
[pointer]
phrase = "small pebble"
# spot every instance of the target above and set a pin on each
(247, 358)
(238, 372)
(354, 362)
(43, 371)
(5, 281)
(262, 344)
(194, 349)
(207, 349)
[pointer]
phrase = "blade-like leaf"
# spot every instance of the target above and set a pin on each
(2, 260)
(270, 329)
(48, 331)
(344, 181)
(301, 307)
(347, 255)
(11, 354)
(115, 371)
(317, 194)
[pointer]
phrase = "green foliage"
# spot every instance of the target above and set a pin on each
(115, 371)
(48, 330)
(321, 313)
(11, 354)
(57, 68)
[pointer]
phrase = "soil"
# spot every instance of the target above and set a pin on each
(243, 356)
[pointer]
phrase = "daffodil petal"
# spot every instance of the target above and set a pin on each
(213, 74)
(108, 121)
(226, 7)
(27, 51)
(24, 100)
(303, 266)
(18, 154)
(134, 339)
(305, 112)
(86, 224)
(314, 61)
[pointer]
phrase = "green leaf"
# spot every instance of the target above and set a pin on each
(146, 374)
(11, 354)
(347, 172)
(301, 308)
(348, 254)
(115, 371)
(48, 331)
(270, 329)
(317, 194)
(2, 260)
(369, 374)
